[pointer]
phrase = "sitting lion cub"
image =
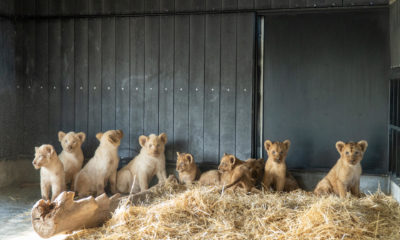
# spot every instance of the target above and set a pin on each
(102, 168)
(345, 175)
(51, 171)
(236, 173)
(72, 155)
(275, 172)
(149, 162)
(187, 168)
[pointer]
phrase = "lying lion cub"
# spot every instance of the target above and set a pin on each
(51, 171)
(275, 173)
(236, 173)
(102, 168)
(187, 168)
(345, 175)
(72, 155)
(149, 162)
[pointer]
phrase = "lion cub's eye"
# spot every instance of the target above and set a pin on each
(66, 141)
(356, 153)
(347, 153)
(158, 145)
(150, 145)
(273, 152)
(281, 152)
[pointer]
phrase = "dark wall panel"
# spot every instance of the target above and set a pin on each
(320, 86)
(143, 75)
(395, 34)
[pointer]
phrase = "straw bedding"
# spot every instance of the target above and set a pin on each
(200, 212)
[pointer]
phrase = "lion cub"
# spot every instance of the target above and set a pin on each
(51, 171)
(102, 168)
(345, 175)
(149, 162)
(71, 155)
(187, 168)
(275, 172)
(236, 173)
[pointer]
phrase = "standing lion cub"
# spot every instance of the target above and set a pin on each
(102, 167)
(345, 175)
(187, 168)
(51, 171)
(71, 155)
(149, 162)
(275, 173)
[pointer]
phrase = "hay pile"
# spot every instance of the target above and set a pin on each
(205, 213)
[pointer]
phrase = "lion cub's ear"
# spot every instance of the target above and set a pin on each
(163, 138)
(178, 153)
(120, 134)
(36, 149)
(287, 144)
(142, 140)
(61, 135)
(99, 135)
(267, 145)
(189, 157)
(49, 149)
(340, 146)
(81, 136)
(363, 144)
(232, 160)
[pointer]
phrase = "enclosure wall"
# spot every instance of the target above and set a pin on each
(326, 79)
(190, 76)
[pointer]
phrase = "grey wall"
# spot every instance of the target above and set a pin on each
(8, 90)
(326, 79)
(7, 7)
(190, 76)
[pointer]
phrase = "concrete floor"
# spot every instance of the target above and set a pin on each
(16, 202)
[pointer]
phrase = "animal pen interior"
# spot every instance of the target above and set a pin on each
(217, 76)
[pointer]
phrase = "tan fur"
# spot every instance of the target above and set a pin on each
(72, 155)
(187, 168)
(52, 175)
(211, 177)
(236, 173)
(102, 168)
(345, 175)
(275, 172)
(149, 162)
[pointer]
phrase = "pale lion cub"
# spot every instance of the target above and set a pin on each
(102, 168)
(72, 155)
(149, 162)
(51, 171)
(345, 175)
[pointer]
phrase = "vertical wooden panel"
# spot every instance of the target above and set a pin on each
(122, 81)
(94, 123)
(31, 87)
(262, 4)
(122, 6)
(181, 83)
(67, 74)
(183, 5)
(137, 6)
(95, 7)
(244, 84)
(137, 42)
(228, 84)
(152, 6)
(213, 5)
(54, 81)
(245, 4)
(196, 90)
(109, 7)
(81, 7)
(29, 7)
(42, 7)
(81, 76)
(280, 3)
(68, 7)
(20, 79)
(229, 4)
(41, 64)
(198, 5)
(298, 3)
(55, 8)
(152, 51)
(212, 89)
(166, 98)
(167, 6)
(108, 74)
